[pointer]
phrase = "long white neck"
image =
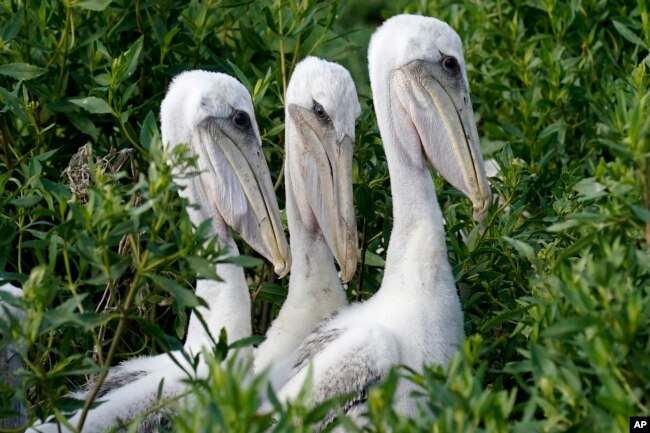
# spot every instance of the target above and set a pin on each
(417, 300)
(314, 287)
(416, 262)
(228, 301)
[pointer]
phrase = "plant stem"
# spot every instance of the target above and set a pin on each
(68, 272)
(282, 61)
(64, 45)
(646, 193)
(121, 326)
(364, 246)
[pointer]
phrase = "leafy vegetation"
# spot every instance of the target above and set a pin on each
(554, 283)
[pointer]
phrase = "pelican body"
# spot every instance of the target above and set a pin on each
(213, 114)
(424, 113)
(321, 110)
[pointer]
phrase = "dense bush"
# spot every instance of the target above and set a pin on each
(554, 283)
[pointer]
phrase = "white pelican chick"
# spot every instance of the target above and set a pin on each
(321, 109)
(213, 114)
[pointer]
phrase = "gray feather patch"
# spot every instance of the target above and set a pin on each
(115, 379)
(355, 375)
(315, 343)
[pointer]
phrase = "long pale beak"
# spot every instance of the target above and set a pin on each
(441, 111)
(327, 172)
(258, 220)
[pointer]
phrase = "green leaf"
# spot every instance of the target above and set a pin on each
(221, 349)
(562, 225)
(502, 317)
(243, 261)
(589, 189)
(102, 79)
(12, 27)
(375, 260)
(83, 124)
(274, 293)
(241, 76)
(525, 250)
(577, 246)
(116, 270)
(629, 34)
(128, 61)
(365, 204)
(489, 147)
(641, 213)
(542, 362)
(93, 105)
(184, 296)
(253, 340)
(148, 131)
(67, 313)
(27, 201)
(203, 268)
(14, 105)
(22, 71)
(566, 327)
(129, 93)
(58, 190)
(270, 22)
(93, 5)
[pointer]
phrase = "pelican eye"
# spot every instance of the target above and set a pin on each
(450, 64)
(240, 119)
(320, 112)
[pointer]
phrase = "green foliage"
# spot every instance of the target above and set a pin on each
(101, 265)
(554, 283)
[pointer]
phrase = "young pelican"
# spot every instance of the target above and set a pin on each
(321, 109)
(213, 114)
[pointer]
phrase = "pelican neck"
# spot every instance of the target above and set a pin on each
(416, 258)
(228, 300)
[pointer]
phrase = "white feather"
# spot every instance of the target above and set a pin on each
(314, 287)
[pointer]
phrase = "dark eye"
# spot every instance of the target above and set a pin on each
(320, 112)
(450, 64)
(240, 119)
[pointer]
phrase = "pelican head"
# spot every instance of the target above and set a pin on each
(213, 114)
(321, 110)
(419, 62)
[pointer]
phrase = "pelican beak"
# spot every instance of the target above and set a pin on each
(326, 167)
(247, 202)
(441, 111)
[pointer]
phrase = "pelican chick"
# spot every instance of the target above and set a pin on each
(321, 110)
(213, 114)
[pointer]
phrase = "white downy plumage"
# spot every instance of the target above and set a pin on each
(321, 109)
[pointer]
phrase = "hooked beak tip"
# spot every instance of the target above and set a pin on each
(281, 267)
(347, 264)
(347, 272)
(481, 209)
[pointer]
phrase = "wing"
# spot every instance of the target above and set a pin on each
(343, 361)
(129, 393)
(8, 311)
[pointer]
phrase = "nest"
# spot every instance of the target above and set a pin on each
(78, 172)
